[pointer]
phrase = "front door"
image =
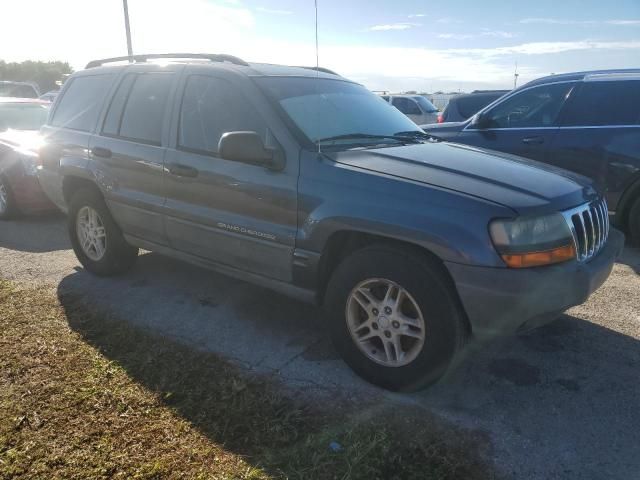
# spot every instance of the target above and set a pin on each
(228, 212)
(523, 124)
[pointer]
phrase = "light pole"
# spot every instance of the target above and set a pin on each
(127, 29)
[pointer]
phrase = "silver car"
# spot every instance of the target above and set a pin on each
(416, 107)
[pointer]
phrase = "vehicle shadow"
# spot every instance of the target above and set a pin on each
(558, 402)
(35, 234)
(631, 257)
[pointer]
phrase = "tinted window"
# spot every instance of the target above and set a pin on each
(472, 104)
(81, 102)
(211, 107)
(143, 113)
(406, 106)
(605, 103)
(536, 107)
(322, 108)
(426, 105)
(114, 115)
(385, 98)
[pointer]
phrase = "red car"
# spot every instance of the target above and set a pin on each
(20, 122)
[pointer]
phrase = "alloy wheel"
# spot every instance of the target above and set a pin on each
(91, 233)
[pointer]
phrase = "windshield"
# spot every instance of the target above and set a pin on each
(20, 90)
(22, 116)
(323, 108)
(426, 105)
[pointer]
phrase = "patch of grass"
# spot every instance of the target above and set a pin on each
(83, 395)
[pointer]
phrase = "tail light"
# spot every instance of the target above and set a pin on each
(440, 118)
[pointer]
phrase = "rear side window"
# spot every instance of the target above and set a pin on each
(605, 103)
(114, 115)
(535, 107)
(143, 113)
(80, 105)
(210, 107)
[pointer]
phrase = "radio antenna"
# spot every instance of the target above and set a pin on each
(317, 66)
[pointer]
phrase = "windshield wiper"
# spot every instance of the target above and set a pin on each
(417, 134)
(355, 136)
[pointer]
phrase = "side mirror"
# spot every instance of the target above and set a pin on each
(481, 121)
(248, 147)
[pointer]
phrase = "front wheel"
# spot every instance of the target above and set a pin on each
(634, 222)
(96, 239)
(394, 317)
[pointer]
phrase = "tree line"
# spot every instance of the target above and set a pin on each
(44, 74)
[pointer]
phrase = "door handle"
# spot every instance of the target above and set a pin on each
(533, 140)
(180, 170)
(101, 152)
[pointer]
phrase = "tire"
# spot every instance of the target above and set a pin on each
(115, 255)
(8, 207)
(427, 286)
(634, 222)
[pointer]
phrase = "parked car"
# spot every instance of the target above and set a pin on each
(416, 107)
(467, 105)
(18, 89)
(50, 96)
(587, 122)
(307, 183)
(20, 192)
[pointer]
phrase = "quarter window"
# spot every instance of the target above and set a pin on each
(80, 105)
(536, 107)
(211, 107)
(605, 103)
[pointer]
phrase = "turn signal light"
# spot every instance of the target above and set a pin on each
(537, 259)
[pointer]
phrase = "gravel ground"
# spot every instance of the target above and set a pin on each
(560, 402)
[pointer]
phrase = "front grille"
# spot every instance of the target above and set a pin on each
(589, 224)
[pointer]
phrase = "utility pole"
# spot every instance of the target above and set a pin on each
(127, 29)
(515, 75)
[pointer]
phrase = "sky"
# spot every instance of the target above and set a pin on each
(395, 45)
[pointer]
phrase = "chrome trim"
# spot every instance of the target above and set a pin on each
(612, 77)
(589, 226)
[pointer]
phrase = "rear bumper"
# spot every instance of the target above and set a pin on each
(27, 191)
(502, 301)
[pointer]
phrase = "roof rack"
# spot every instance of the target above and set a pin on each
(214, 57)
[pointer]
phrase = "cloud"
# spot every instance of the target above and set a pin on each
(447, 20)
(496, 33)
(542, 48)
(562, 21)
(416, 15)
(393, 26)
(274, 12)
(455, 36)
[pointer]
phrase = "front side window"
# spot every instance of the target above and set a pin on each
(406, 106)
(324, 108)
(605, 103)
(211, 107)
(535, 107)
(80, 105)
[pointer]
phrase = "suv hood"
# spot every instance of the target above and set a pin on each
(525, 186)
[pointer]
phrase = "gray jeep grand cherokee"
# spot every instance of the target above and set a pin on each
(307, 183)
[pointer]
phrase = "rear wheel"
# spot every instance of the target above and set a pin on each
(8, 208)
(634, 222)
(394, 317)
(96, 239)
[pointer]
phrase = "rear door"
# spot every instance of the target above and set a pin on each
(128, 152)
(599, 135)
(522, 124)
(232, 213)
(71, 123)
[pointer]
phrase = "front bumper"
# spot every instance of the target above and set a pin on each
(27, 191)
(501, 301)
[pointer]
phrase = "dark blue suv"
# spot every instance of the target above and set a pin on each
(587, 122)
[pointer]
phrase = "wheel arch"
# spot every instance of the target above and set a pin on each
(627, 199)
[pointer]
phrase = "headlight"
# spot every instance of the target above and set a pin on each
(533, 241)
